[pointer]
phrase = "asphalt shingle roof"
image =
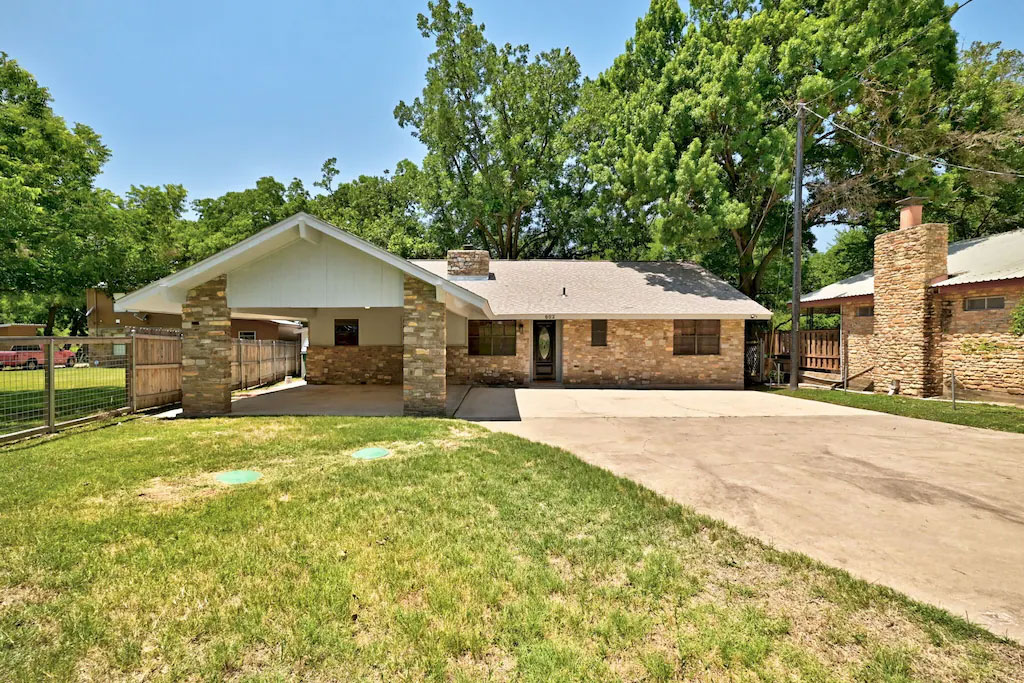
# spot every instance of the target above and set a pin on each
(605, 289)
(984, 259)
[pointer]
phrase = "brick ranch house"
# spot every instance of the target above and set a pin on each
(929, 308)
(377, 318)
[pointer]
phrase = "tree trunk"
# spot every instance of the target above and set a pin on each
(51, 314)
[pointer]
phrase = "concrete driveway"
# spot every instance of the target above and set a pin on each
(933, 510)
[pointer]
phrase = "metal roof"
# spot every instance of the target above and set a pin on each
(983, 259)
(606, 289)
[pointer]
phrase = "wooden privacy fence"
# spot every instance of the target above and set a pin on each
(819, 349)
(157, 370)
(260, 362)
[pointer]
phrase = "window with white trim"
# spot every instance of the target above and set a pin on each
(247, 334)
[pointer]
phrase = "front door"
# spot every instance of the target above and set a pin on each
(544, 349)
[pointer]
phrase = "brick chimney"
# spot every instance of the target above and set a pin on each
(469, 262)
(907, 320)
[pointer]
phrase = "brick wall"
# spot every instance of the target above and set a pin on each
(639, 352)
(908, 348)
(424, 385)
(494, 370)
(354, 365)
(979, 344)
(206, 350)
(860, 344)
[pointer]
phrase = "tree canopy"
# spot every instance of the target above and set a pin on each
(681, 148)
(492, 120)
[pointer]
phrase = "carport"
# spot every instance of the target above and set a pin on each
(373, 318)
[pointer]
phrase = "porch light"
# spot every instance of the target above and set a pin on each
(366, 307)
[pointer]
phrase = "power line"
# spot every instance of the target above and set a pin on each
(863, 72)
(919, 157)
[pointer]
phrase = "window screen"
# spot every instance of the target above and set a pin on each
(599, 333)
(492, 338)
(865, 311)
(346, 333)
(982, 303)
(696, 337)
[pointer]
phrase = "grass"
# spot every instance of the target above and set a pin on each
(985, 415)
(80, 391)
(465, 555)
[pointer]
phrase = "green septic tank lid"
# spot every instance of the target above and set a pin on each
(238, 477)
(371, 453)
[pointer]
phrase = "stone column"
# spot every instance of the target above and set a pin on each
(206, 350)
(424, 386)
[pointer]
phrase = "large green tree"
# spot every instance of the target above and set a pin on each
(693, 126)
(154, 230)
(57, 231)
(230, 218)
(384, 210)
(492, 120)
(982, 125)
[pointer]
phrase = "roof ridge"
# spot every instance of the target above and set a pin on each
(987, 237)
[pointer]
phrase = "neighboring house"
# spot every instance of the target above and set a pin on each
(103, 321)
(376, 318)
(17, 330)
(20, 329)
(930, 308)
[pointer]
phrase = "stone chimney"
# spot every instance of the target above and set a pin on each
(907, 320)
(469, 262)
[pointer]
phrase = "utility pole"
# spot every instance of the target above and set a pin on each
(798, 229)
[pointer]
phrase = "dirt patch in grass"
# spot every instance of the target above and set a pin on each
(178, 491)
(459, 436)
(16, 596)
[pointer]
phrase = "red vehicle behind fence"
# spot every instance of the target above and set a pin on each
(32, 356)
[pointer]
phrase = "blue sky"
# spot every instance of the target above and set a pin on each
(215, 94)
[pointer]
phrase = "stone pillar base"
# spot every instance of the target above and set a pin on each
(206, 351)
(424, 385)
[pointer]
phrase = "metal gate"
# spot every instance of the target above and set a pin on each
(753, 362)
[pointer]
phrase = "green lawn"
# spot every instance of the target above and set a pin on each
(466, 555)
(79, 392)
(986, 415)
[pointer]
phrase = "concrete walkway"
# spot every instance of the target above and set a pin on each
(933, 510)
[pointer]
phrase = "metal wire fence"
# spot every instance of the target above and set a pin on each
(49, 382)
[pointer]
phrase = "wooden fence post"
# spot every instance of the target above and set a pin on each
(130, 377)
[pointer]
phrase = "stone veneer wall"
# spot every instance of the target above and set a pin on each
(639, 353)
(206, 350)
(907, 262)
(424, 385)
(979, 345)
(469, 262)
(494, 370)
(859, 336)
(354, 365)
